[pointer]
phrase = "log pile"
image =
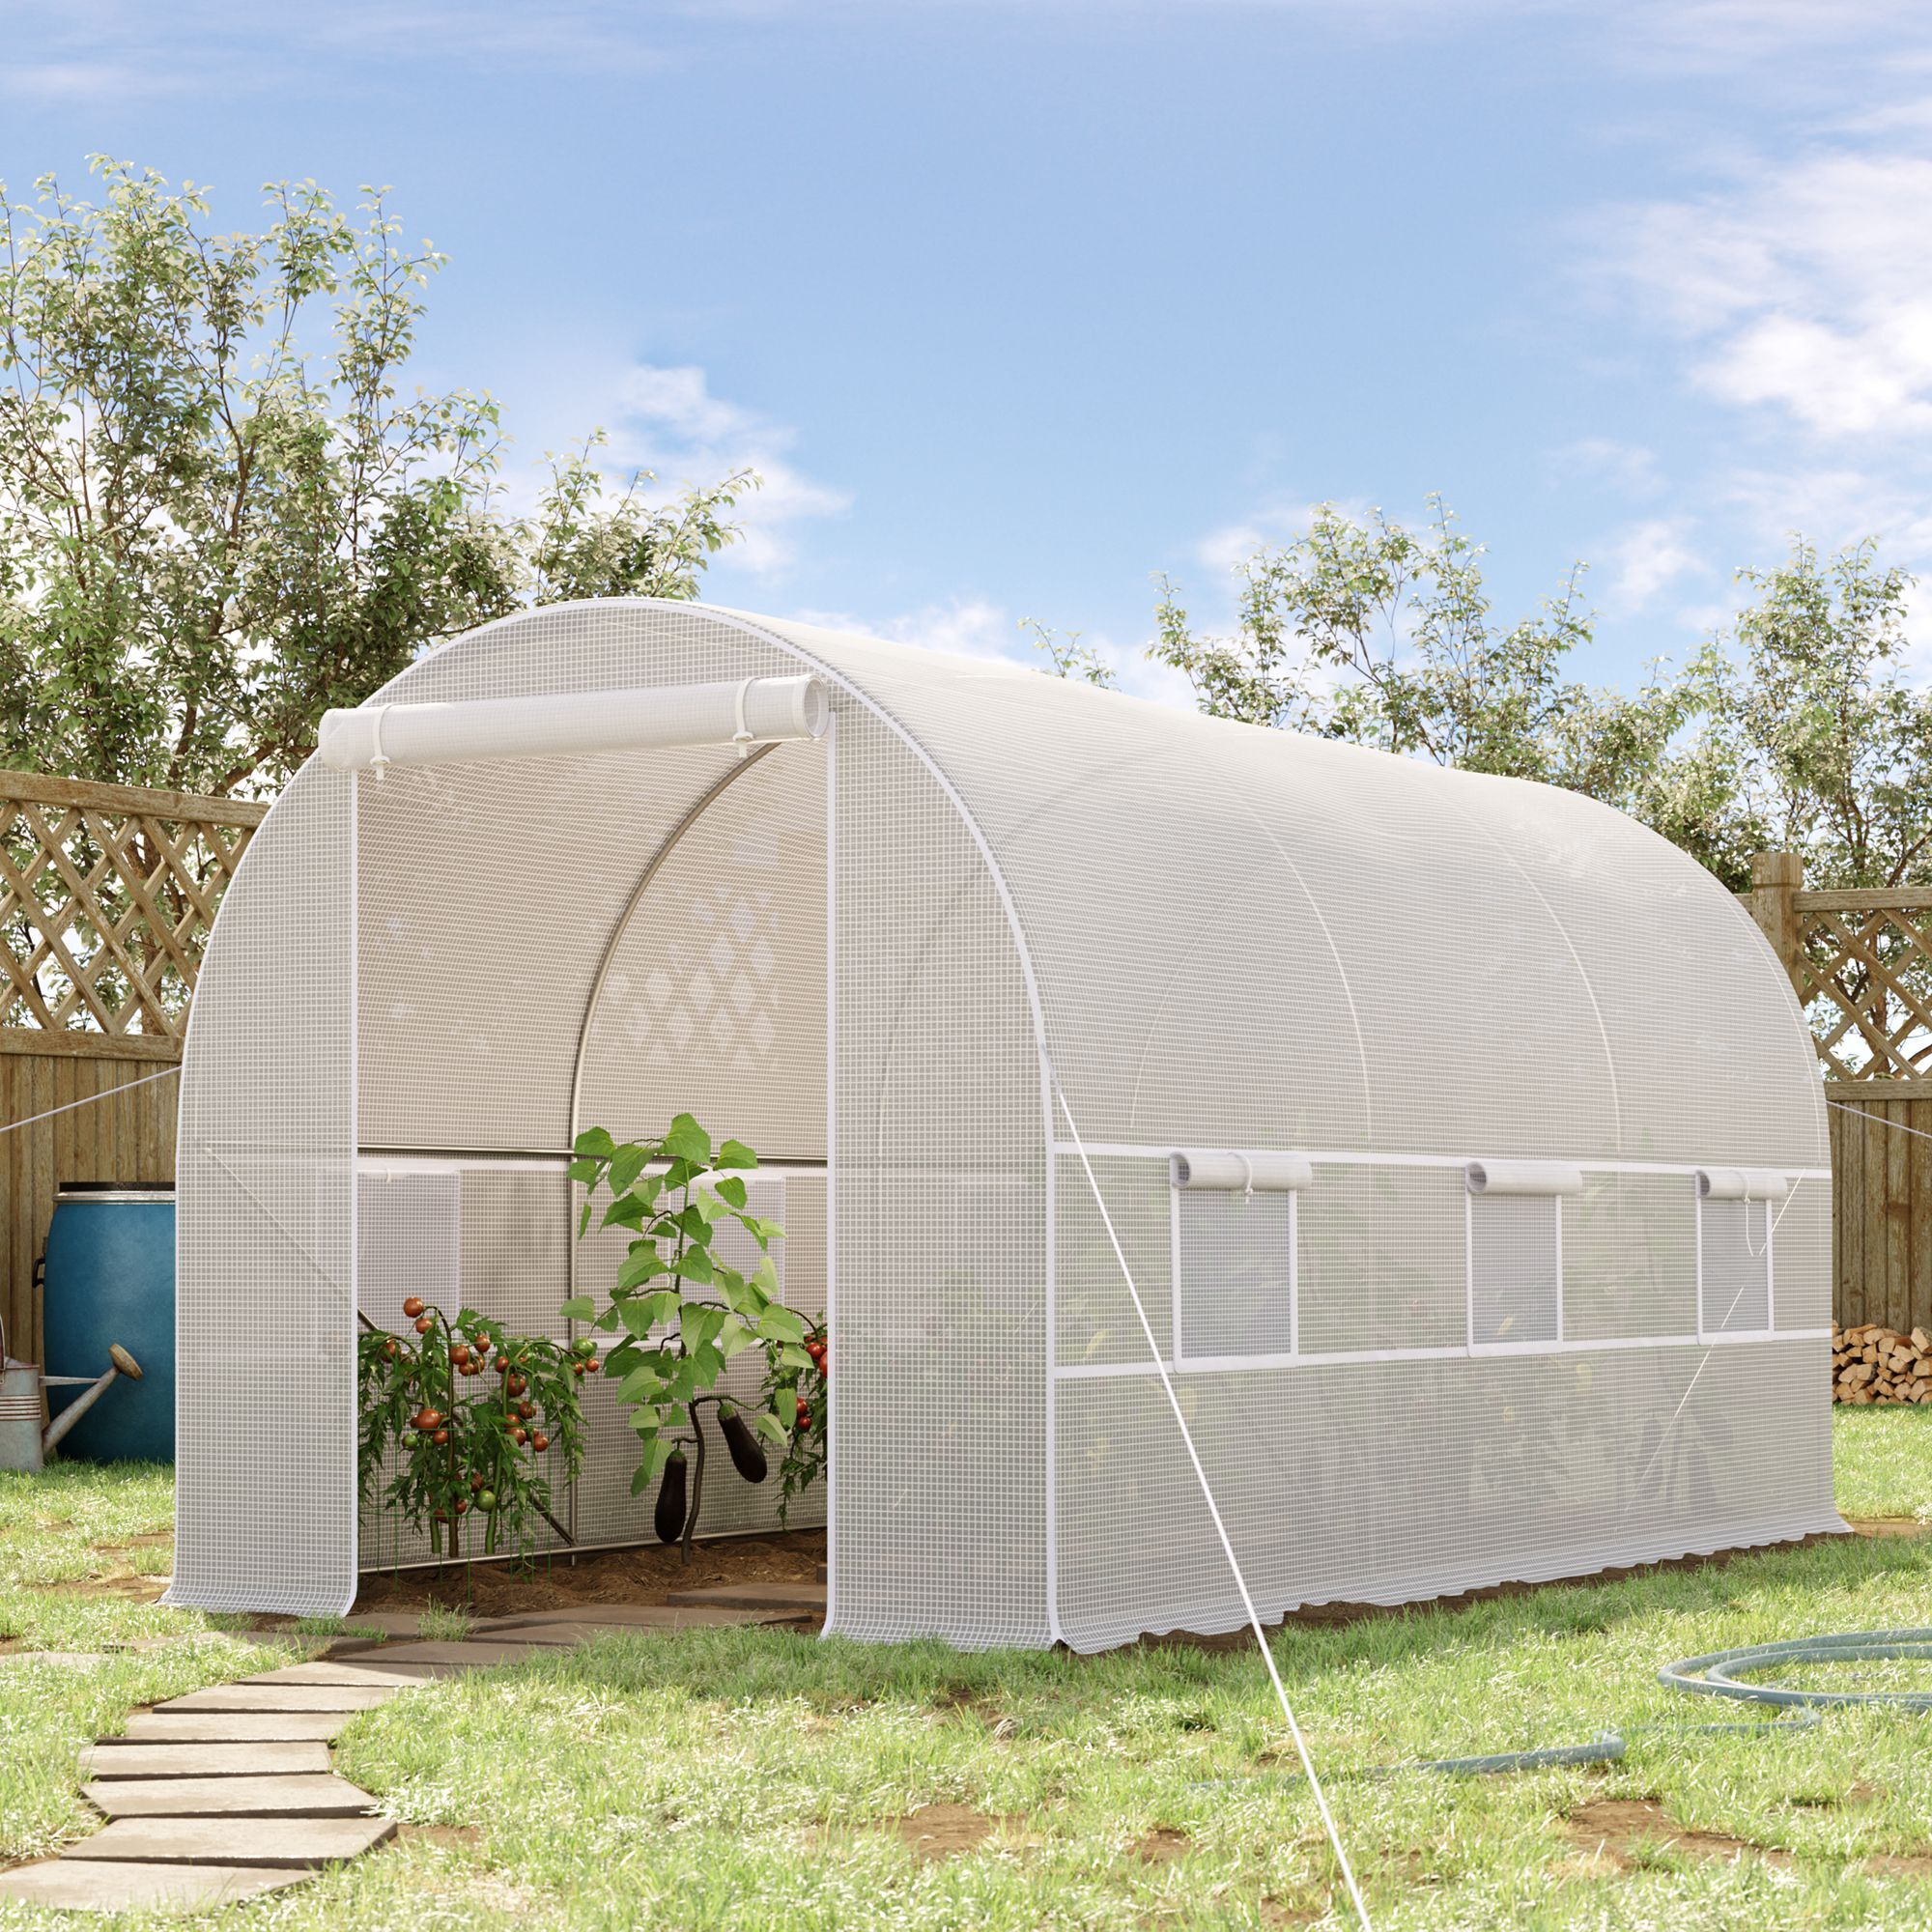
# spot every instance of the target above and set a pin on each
(1872, 1363)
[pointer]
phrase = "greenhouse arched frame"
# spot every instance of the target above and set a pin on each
(1461, 1138)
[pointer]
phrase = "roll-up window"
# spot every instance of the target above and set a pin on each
(1737, 1208)
(1516, 1250)
(1235, 1260)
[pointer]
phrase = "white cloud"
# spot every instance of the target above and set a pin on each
(1804, 289)
(1645, 559)
(977, 627)
(86, 82)
(667, 421)
(1627, 467)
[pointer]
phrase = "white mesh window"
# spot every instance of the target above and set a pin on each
(1379, 1260)
(409, 1240)
(1734, 1265)
(1515, 1270)
(1235, 1271)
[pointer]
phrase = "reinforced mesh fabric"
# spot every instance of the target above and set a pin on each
(873, 958)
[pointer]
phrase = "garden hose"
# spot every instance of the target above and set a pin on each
(1715, 1675)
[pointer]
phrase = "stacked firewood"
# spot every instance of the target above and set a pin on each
(1872, 1363)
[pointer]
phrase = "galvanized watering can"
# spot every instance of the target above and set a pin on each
(23, 1444)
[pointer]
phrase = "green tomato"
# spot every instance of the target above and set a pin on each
(486, 1500)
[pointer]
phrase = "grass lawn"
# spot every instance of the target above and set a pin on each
(753, 1780)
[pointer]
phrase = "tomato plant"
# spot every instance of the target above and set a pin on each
(802, 1393)
(462, 1452)
(679, 1311)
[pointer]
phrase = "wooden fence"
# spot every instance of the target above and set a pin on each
(106, 896)
(107, 893)
(1862, 965)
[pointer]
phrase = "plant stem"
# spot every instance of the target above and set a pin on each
(697, 1486)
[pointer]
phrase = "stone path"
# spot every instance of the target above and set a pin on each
(227, 1792)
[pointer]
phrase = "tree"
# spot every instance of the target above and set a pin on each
(1375, 634)
(210, 533)
(1805, 701)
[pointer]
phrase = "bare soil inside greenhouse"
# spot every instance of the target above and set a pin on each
(649, 1574)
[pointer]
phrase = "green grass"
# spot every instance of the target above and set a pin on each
(746, 1780)
(1884, 1461)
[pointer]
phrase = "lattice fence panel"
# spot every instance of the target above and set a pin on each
(1864, 978)
(107, 893)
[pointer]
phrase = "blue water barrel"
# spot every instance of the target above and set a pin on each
(111, 1278)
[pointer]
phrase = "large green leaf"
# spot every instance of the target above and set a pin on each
(688, 1141)
(626, 1164)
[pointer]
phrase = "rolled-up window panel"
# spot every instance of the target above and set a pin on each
(1523, 1177)
(1742, 1183)
(750, 711)
(1244, 1173)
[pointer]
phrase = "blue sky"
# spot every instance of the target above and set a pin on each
(1016, 305)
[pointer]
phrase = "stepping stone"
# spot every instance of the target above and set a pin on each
(664, 1617)
(392, 1623)
(321, 1795)
(441, 1657)
(575, 1626)
(337, 1676)
(117, 1760)
(639, 1616)
(285, 1698)
(799, 1599)
(114, 1885)
(292, 1842)
(227, 1727)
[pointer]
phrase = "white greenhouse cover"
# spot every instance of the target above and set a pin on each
(1456, 1291)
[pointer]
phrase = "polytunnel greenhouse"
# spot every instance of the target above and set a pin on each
(1459, 1137)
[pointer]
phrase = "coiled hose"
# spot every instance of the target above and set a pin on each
(1718, 1674)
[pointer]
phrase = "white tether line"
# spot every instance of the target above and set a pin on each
(88, 1100)
(1220, 1528)
(1880, 1118)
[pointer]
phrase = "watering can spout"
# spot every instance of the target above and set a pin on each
(23, 1444)
(124, 1365)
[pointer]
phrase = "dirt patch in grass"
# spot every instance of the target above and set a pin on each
(944, 1830)
(122, 1583)
(647, 1574)
(1608, 1830)
(154, 1539)
(1888, 1525)
(450, 1836)
(1898, 1865)
(1161, 1846)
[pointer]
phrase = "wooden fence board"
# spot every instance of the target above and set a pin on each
(130, 1137)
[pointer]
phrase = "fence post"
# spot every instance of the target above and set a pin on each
(1777, 877)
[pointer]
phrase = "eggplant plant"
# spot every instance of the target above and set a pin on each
(679, 1312)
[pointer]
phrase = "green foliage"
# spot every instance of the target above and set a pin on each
(1831, 745)
(211, 531)
(680, 1312)
(1068, 657)
(1371, 632)
(454, 1454)
(1795, 730)
(800, 1392)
